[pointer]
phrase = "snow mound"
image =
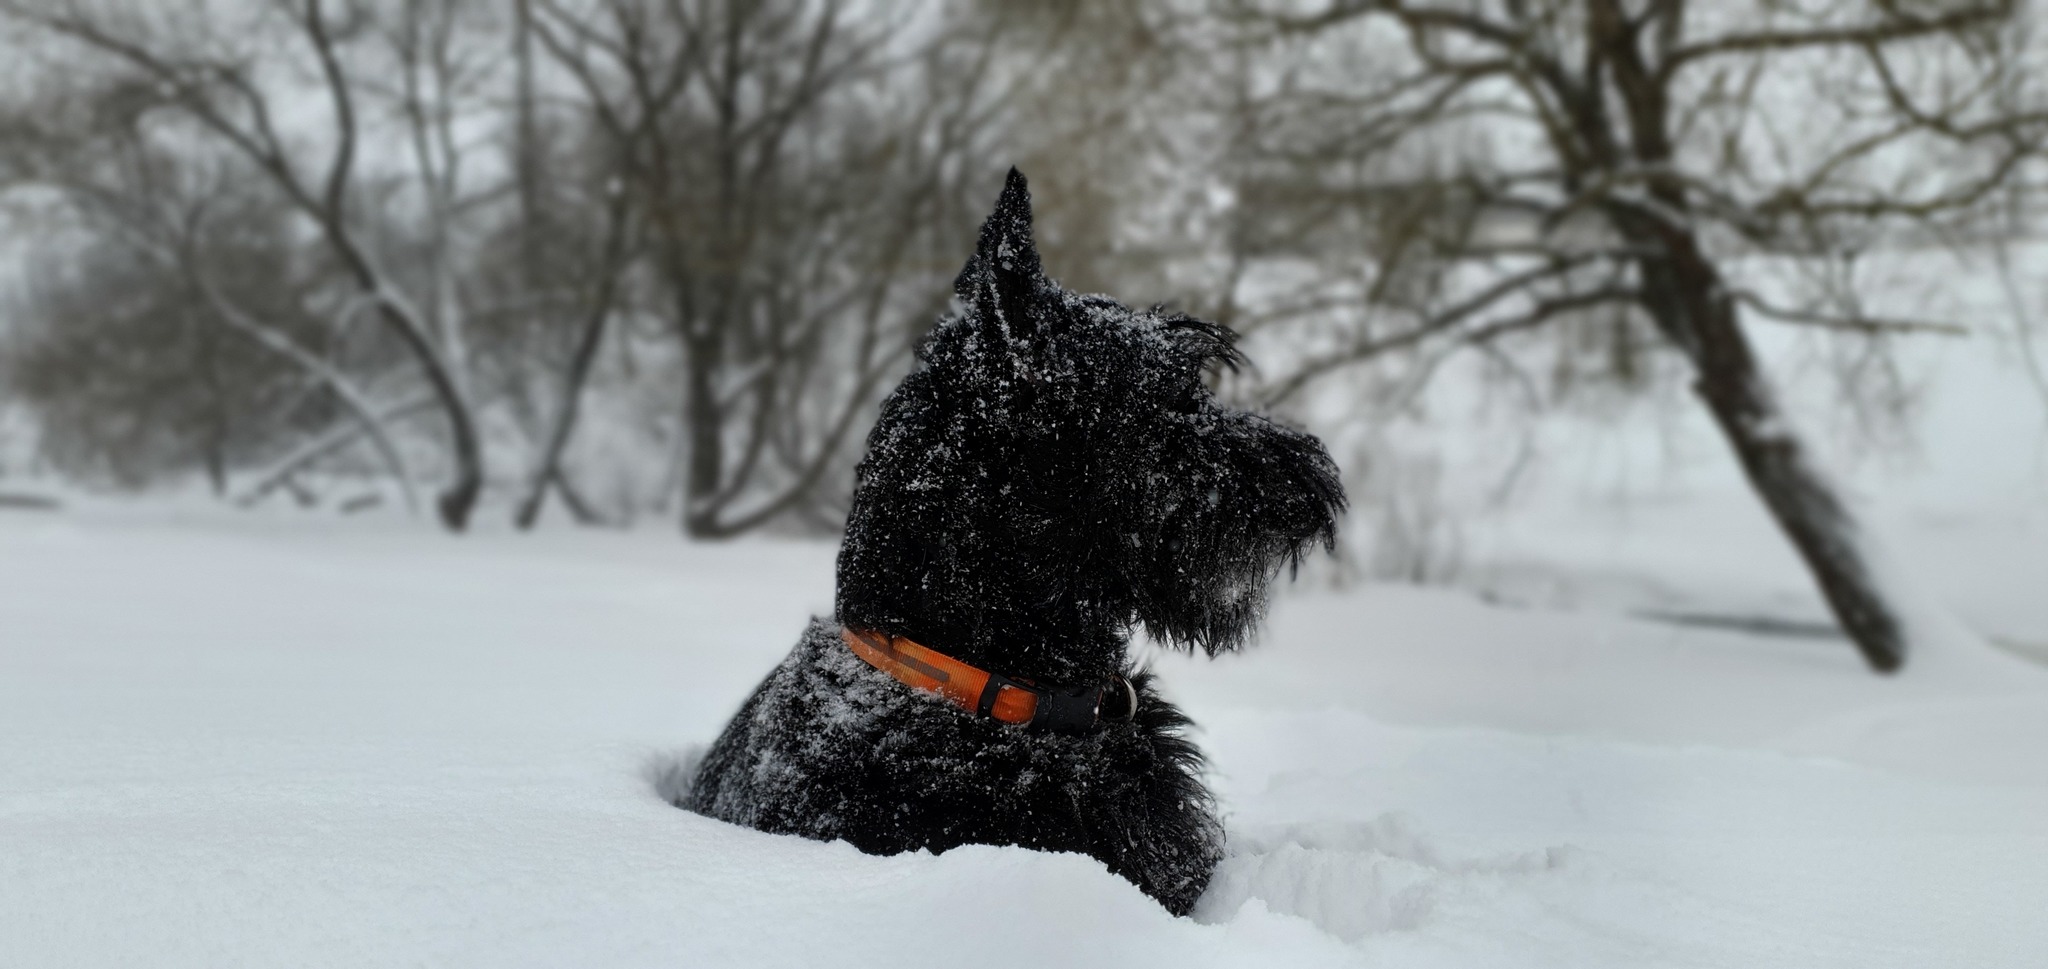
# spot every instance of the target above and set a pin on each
(1353, 880)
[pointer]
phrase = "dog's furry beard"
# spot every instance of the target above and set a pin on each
(1054, 473)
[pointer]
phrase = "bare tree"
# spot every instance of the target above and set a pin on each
(217, 80)
(791, 165)
(1486, 168)
(181, 225)
(577, 235)
(782, 186)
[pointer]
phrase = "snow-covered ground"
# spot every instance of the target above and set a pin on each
(266, 740)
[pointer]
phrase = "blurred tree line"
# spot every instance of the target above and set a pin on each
(664, 256)
(440, 241)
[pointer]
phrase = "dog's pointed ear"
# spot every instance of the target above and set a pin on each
(1003, 282)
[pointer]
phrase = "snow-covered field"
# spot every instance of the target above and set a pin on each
(271, 740)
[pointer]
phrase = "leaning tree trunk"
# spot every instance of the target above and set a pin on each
(1693, 309)
(1691, 305)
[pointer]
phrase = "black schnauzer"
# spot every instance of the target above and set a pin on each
(1053, 473)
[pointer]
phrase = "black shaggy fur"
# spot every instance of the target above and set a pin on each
(1053, 473)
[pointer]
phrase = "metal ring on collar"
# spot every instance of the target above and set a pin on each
(1131, 701)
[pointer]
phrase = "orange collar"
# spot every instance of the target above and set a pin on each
(989, 694)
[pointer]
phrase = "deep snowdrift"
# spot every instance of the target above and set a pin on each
(267, 741)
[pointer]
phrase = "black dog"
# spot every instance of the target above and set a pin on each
(1053, 473)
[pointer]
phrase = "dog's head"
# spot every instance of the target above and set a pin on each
(1057, 467)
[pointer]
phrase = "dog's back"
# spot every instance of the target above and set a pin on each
(829, 747)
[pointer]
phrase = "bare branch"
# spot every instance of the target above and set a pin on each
(1449, 318)
(1853, 322)
(1897, 25)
